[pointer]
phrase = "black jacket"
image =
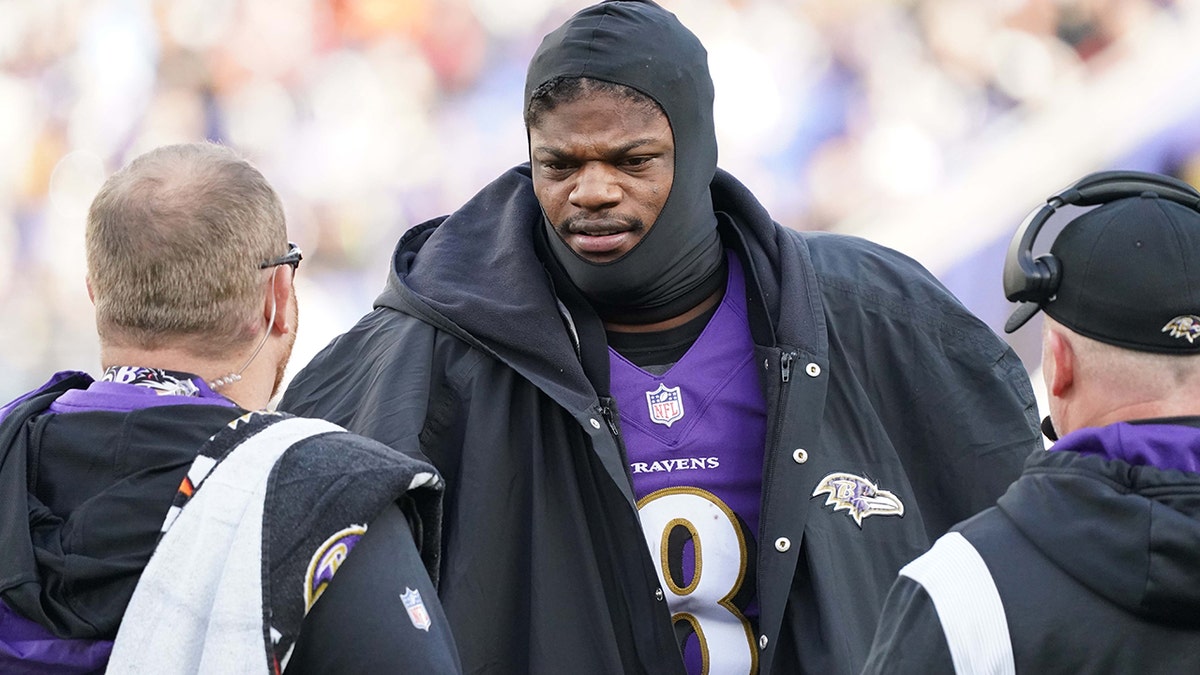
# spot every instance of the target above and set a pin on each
(869, 366)
(1095, 564)
(84, 496)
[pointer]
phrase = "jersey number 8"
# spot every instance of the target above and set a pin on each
(686, 525)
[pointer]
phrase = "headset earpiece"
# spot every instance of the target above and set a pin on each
(1027, 279)
(1036, 280)
(1051, 273)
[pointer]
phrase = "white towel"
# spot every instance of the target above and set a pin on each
(198, 607)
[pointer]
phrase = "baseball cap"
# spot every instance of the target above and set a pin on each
(1130, 276)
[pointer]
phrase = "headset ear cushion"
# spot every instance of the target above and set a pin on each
(1047, 276)
(1040, 283)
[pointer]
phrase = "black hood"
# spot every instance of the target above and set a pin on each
(640, 45)
(477, 274)
(85, 495)
(1129, 533)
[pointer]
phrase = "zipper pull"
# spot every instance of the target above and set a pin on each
(786, 365)
(607, 413)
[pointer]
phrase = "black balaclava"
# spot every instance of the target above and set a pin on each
(679, 261)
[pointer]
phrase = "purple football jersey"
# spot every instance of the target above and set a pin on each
(695, 438)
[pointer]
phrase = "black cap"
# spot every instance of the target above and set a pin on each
(1129, 276)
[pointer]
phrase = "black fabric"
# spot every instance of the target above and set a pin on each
(660, 348)
(318, 488)
(365, 602)
(467, 360)
(102, 483)
(98, 486)
(638, 44)
(1096, 565)
(914, 627)
(1129, 535)
(580, 318)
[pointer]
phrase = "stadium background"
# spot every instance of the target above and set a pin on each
(931, 126)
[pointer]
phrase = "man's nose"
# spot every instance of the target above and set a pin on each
(596, 187)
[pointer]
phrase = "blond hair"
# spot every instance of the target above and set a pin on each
(174, 244)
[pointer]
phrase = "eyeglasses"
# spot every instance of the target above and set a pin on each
(292, 257)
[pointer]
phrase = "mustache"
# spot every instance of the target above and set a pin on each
(589, 225)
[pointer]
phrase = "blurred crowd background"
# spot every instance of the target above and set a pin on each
(929, 125)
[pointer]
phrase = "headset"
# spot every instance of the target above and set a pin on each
(1036, 280)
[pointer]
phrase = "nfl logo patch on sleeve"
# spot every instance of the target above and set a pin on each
(666, 405)
(416, 609)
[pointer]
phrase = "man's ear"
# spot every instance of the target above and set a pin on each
(277, 309)
(91, 295)
(1062, 374)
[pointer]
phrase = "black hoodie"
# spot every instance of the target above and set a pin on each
(1096, 563)
(496, 370)
(870, 367)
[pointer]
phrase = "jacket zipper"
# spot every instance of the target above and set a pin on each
(610, 418)
(786, 359)
(775, 432)
(607, 413)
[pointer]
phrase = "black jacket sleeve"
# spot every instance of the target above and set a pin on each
(953, 398)
(361, 624)
(909, 638)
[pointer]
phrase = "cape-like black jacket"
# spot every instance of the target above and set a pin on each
(869, 366)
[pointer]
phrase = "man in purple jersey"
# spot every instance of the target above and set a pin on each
(158, 519)
(1090, 563)
(677, 437)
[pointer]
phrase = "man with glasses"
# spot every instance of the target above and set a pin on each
(172, 523)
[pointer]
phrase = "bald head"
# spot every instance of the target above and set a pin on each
(1092, 383)
(174, 244)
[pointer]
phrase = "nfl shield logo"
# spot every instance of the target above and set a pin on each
(416, 609)
(666, 405)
